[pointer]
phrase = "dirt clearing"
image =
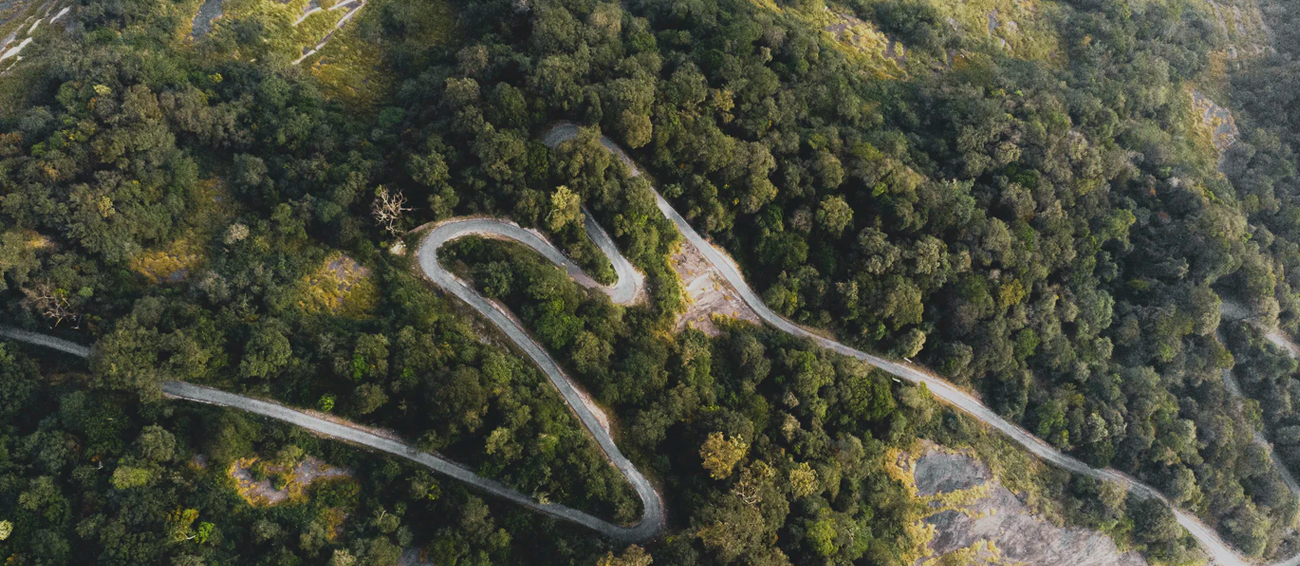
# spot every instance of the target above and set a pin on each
(984, 522)
(707, 294)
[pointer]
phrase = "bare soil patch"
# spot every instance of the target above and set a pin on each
(985, 522)
(281, 483)
(1218, 120)
(341, 286)
(707, 293)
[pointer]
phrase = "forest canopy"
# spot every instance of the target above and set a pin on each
(1045, 228)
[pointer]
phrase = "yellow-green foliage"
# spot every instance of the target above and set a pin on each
(171, 263)
(333, 519)
(249, 489)
(127, 477)
(278, 21)
(1037, 484)
(352, 65)
(1190, 139)
(857, 39)
(212, 208)
(1214, 126)
(1025, 25)
(982, 553)
(285, 478)
(720, 454)
(340, 286)
(1214, 81)
(184, 11)
(902, 467)
(209, 213)
(1013, 468)
(1242, 24)
(33, 241)
(898, 465)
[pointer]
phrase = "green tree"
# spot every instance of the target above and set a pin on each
(834, 215)
(720, 454)
(127, 477)
(633, 555)
(156, 444)
(369, 397)
(565, 209)
(266, 352)
(803, 480)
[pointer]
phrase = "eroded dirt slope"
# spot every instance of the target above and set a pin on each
(993, 520)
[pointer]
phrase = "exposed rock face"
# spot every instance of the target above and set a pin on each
(1001, 518)
(1218, 120)
(943, 472)
(708, 293)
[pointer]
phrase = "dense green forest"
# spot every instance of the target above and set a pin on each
(1049, 232)
(1041, 257)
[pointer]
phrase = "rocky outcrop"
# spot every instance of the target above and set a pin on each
(998, 522)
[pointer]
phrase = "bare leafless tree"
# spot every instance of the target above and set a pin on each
(52, 303)
(387, 209)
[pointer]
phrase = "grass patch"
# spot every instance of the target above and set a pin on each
(857, 39)
(290, 29)
(353, 67)
(1242, 24)
(173, 263)
(1025, 29)
(263, 483)
(981, 553)
(1214, 126)
(212, 210)
(341, 286)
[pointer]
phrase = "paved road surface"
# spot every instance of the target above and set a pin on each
(628, 288)
(625, 291)
(352, 433)
(45, 341)
(945, 391)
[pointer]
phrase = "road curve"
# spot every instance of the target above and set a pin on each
(628, 288)
(1232, 311)
(1214, 546)
(45, 341)
(625, 291)
(352, 433)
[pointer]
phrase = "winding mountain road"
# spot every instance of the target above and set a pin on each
(626, 291)
(629, 287)
(1232, 311)
(1214, 546)
(352, 433)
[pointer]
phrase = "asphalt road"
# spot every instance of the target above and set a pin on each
(625, 291)
(628, 288)
(352, 433)
(945, 391)
(45, 341)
